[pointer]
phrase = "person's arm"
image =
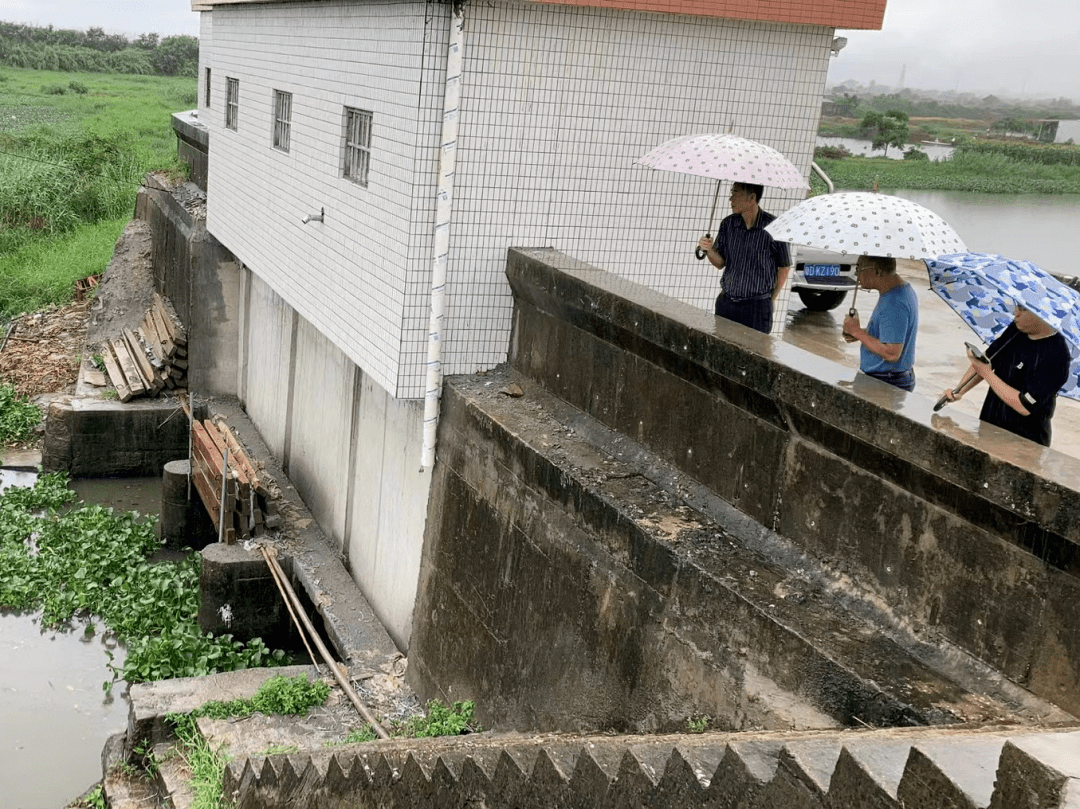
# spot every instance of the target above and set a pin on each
(781, 278)
(890, 352)
(709, 249)
(1006, 392)
(967, 382)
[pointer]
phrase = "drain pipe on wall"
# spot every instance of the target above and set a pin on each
(444, 203)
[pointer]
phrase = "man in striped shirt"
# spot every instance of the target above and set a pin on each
(755, 265)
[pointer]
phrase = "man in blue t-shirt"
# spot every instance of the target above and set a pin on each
(888, 341)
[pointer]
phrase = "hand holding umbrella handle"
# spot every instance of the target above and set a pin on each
(699, 254)
(944, 400)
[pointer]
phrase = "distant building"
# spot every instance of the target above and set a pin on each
(329, 148)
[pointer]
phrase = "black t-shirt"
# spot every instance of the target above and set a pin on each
(1037, 369)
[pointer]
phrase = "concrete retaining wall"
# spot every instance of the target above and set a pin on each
(971, 537)
(351, 450)
(201, 279)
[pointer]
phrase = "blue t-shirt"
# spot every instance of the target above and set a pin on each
(895, 320)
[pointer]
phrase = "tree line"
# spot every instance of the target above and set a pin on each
(94, 51)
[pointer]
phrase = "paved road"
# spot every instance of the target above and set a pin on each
(940, 361)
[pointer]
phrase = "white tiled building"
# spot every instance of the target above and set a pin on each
(556, 102)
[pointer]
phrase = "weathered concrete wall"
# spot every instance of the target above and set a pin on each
(969, 537)
(350, 448)
(201, 279)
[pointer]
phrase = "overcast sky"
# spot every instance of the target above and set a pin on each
(1016, 46)
(128, 17)
(984, 46)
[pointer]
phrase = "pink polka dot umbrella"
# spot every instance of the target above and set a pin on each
(724, 157)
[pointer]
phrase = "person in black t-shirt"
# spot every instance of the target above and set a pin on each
(1029, 363)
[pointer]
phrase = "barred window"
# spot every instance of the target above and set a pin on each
(207, 89)
(282, 119)
(232, 102)
(357, 145)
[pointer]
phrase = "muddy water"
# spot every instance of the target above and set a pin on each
(54, 715)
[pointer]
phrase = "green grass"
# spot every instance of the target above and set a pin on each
(984, 172)
(18, 416)
(290, 696)
(71, 160)
(44, 271)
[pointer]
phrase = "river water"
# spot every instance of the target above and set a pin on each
(863, 147)
(54, 714)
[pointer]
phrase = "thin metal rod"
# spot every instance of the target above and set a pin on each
(221, 507)
(190, 427)
(276, 573)
(345, 686)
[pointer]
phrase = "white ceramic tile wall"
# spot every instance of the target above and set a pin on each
(557, 102)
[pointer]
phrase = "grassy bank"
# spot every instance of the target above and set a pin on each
(73, 150)
(983, 169)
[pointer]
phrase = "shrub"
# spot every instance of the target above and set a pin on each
(78, 87)
(831, 152)
(915, 154)
(54, 90)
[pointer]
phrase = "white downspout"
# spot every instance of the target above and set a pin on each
(444, 203)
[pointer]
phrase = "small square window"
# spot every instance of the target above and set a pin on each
(206, 91)
(232, 102)
(357, 145)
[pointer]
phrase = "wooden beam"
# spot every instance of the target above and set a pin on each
(127, 365)
(123, 392)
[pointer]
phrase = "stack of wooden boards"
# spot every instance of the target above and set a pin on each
(143, 361)
(249, 510)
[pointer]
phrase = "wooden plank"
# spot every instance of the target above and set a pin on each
(243, 460)
(167, 345)
(142, 362)
(149, 339)
(206, 492)
(176, 331)
(123, 392)
(201, 440)
(150, 330)
(127, 365)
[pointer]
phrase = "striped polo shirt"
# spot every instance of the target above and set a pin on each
(751, 256)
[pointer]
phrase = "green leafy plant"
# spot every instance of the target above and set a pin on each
(110, 393)
(278, 695)
(92, 561)
(698, 725)
(440, 720)
(279, 749)
(18, 415)
(364, 734)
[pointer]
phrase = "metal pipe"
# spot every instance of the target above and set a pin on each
(323, 651)
(444, 204)
(821, 173)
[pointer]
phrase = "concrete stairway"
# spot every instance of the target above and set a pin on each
(893, 769)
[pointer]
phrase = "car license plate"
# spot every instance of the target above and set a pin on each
(821, 270)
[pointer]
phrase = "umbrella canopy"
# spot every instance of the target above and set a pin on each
(725, 157)
(864, 223)
(983, 288)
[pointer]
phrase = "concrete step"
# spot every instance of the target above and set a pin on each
(870, 770)
(172, 775)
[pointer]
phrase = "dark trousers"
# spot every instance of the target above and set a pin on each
(753, 312)
(905, 380)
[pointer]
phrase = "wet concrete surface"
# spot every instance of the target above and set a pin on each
(940, 360)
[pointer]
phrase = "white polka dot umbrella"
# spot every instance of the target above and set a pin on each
(863, 223)
(725, 157)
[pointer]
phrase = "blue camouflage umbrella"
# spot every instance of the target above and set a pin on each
(983, 288)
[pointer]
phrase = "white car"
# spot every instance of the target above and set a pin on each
(822, 278)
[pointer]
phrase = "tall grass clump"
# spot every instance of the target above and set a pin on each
(70, 162)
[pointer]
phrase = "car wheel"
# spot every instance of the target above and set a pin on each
(821, 300)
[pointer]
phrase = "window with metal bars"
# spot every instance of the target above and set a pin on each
(357, 145)
(282, 119)
(232, 102)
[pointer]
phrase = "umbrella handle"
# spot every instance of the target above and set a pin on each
(944, 400)
(699, 254)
